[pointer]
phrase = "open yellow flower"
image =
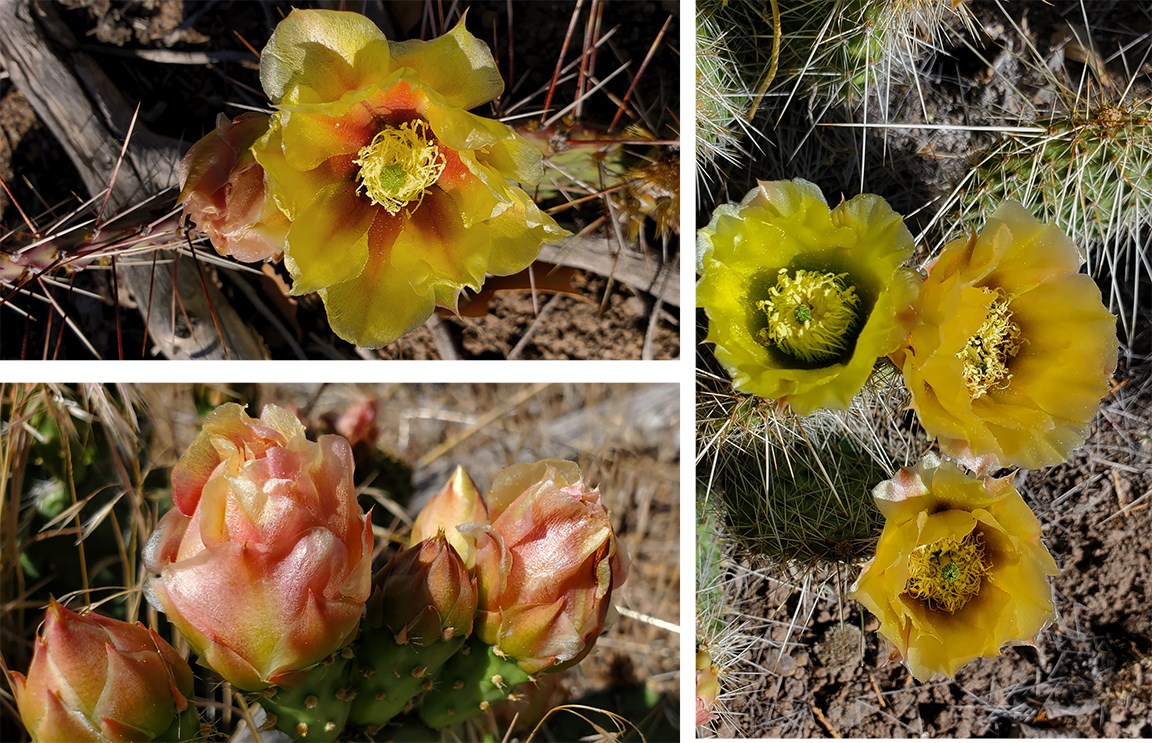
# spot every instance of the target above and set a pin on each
(959, 569)
(802, 299)
(1013, 349)
(398, 197)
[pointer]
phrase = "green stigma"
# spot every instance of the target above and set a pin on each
(991, 347)
(947, 574)
(811, 315)
(398, 166)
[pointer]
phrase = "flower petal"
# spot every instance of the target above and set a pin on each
(1048, 386)
(315, 56)
(381, 303)
(328, 241)
(457, 65)
(1013, 600)
(787, 225)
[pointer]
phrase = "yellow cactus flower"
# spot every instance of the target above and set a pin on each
(802, 299)
(1014, 347)
(959, 569)
(398, 198)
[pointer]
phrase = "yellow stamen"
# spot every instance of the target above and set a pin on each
(810, 315)
(398, 166)
(947, 574)
(989, 350)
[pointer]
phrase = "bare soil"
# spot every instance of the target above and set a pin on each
(624, 437)
(818, 667)
(1087, 676)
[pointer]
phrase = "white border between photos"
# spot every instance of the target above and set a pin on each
(680, 371)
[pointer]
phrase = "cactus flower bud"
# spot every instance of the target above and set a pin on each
(264, 561)
(419, 616)
(457, 503)
(223, 191)
(358, 423)
(546, 567)
(707, 686)
(94, 678)
(426, 594)
(511, 482)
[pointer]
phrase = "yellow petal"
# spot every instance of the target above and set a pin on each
(1060, 367)
(456, 65)
(315, 56)
(328, 241)
(495, 145)
(787, 225)
(377, 306)
(291, 188)
(337, 83)
(326, 131)
(1014, 599)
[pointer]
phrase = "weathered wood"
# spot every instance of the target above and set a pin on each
(88, 115)
(600, 255)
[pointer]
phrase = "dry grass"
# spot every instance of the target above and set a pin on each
(123, 440)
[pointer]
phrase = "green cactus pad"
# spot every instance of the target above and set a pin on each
(390, 674)
(790, 488)
(469, 682)
(186, 726)
(318, 708)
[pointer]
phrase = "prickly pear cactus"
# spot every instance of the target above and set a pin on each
(316, 709)
(417, 618)
(392, 672)
(468, 683)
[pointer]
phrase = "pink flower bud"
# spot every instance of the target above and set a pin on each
(511, 482)
(707, 687)
(223, 191)
(358, 422)
(426, 594)
(264, 562)
(94, 678)
(546, 567)
(458, 503)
